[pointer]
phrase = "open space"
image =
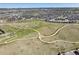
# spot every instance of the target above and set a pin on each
(38, 37)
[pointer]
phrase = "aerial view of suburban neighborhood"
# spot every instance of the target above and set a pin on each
(39, 31)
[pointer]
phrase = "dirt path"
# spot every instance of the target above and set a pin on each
(56, 32)
(40, 36)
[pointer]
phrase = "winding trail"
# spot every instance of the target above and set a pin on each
(40, 36)
(56, 32)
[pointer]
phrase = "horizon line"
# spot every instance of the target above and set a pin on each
(34, 7)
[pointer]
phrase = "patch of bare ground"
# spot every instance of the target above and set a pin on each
(28, 46)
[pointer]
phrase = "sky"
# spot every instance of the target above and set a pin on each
(37, 5)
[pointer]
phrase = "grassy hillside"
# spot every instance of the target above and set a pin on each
(26, 41)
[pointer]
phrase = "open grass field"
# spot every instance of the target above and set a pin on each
(38, 37)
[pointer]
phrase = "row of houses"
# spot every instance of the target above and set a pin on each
(62, 20)
(59, 19)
